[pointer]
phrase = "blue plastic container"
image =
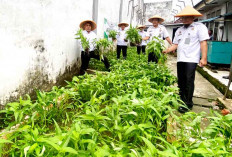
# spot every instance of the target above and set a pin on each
(219, 52)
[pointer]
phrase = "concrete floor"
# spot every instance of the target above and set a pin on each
(205, 93)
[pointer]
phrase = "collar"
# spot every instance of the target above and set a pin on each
(156, 27)
(191, 25)
(87, 32)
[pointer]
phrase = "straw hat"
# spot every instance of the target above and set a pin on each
(141, 26)
(123, 23)
(189, 11)
(93, 24)
(156, 17)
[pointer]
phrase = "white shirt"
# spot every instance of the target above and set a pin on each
(120, 38)
(188, 41)
(159, 31)
(143, 34)
(90, 37)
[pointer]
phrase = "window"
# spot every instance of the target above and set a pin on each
(212, 14)
(218, 12)
(215, 32)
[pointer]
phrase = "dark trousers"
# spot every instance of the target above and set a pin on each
(152, 57)
(186, 77)
(123, 49)
(139, 48)
(85, 58)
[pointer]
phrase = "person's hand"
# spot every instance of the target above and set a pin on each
(203, 62)
(165, 51)
(125, 40)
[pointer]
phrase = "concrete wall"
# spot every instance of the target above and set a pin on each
(162, 9)
(37, 47)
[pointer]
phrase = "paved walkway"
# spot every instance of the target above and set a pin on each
(205, 93)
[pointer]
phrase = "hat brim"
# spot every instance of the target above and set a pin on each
(141, 26)
(160, 19)
(188, 15)
(120, 24)
(93, 24)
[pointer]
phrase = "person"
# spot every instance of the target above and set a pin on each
(88, 26)
(142, 45)
(210, 34)
(121, 40)
(190, 40)
(156, 30)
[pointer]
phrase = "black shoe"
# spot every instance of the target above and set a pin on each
(82, 72)
(183, 109)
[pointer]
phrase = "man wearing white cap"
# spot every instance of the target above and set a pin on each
(121, 40)
(142, 45)
(156, 30)
(190, 40)
(88, 26)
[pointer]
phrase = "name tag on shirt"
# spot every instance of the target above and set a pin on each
(187, 41)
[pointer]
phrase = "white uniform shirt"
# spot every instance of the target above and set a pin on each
(90, 37)
(143, 34)
(120, 38)
(188, 40)
(159, 31)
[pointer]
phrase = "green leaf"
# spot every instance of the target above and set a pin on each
(69, 150)
(58, 130)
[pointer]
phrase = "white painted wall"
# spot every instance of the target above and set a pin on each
(29, 26)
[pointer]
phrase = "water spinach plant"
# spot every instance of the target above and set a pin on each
(113, 34)
(122, 113)
(133, 36)
(83, 40)
(156, 45)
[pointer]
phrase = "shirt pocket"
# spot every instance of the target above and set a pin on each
(179, 38)
(193, 35)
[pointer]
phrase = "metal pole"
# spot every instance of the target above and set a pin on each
(192, 3)
(120, 11)
(95, 12)
(230, 79)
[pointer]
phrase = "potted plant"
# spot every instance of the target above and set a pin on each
(133, 36)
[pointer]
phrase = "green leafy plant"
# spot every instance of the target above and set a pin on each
(121, 113)
(103, 47)
(112, 34)
(133, 35)
(84, 41)
(157, 46)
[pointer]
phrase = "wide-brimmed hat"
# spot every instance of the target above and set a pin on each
(123, 23)
(93, 24)
(156, 17)
(189, 11)
(141, 26)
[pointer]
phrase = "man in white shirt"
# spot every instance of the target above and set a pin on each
(142, 45)
(156, 30)
(88, 26)
(121, 40)
(190, 40)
